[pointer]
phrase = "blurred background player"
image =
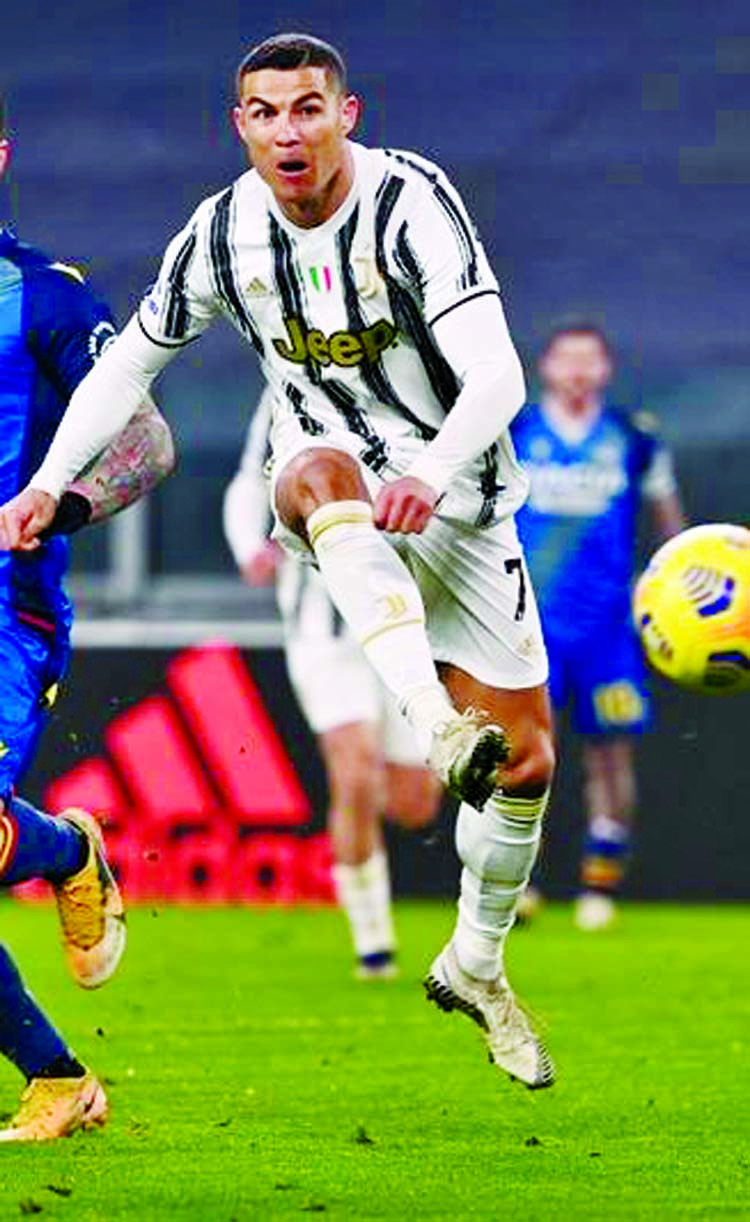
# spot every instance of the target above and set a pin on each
(591, 467)
(373, 764)
(51, 332)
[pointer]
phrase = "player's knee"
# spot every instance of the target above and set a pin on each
(413, 797)
(314, 478)
(531, 769)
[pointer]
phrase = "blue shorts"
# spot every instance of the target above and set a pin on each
(601, 678)
(30, 667)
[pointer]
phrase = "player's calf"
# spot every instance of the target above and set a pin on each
(498, 847)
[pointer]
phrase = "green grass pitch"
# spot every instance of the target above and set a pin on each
(252, 1078)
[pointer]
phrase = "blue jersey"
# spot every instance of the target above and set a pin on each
(579, 524)
(51, 331)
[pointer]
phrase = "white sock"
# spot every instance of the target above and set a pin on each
(364, 892)
(379, 599)
(498, 847)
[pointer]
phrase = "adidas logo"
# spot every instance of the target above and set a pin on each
(256, 288)
(197, 793)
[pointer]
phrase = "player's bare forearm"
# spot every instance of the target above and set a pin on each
(668, 516)
(405, 506)
(138, 459)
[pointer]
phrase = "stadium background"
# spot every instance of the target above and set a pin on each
(605, 154)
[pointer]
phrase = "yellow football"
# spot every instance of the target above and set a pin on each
(692, 609)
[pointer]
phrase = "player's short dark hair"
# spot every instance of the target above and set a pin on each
(577, 326)
(288, 51)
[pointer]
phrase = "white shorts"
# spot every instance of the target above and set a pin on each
(331, 677)
(481, 613)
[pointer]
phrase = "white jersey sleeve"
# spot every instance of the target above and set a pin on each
(177, 309)
(246, 510)
(432, 244)
(659, 480)
(435, 244)
(198, 281)
(475, 341)
(182, 302)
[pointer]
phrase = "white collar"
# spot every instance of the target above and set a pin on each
(572, 429)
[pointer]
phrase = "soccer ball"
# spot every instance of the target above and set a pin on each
(692, 609)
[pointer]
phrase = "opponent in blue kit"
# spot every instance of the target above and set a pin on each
(591, 466)
(51, 331)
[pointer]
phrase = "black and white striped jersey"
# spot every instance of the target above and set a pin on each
(341, 315)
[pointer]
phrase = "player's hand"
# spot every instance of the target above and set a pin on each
(405, 506)
(262, 567)
(23, 518)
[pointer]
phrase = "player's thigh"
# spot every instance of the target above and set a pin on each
(338, 474)
(355, 770)
(308, 472)
(480, 608)
(413, 791)
(609, 759)
(332, 680)
(338, 693)
(26, 680)
(399, 742)
(610, 697)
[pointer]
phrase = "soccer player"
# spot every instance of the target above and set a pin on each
(372, 761)
(51, 331)
(591, 467)
(358, 278)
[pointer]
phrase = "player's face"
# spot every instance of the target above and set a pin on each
(4, 156)
(576, 367)
(294, 125)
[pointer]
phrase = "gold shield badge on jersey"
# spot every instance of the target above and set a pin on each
(367, 278)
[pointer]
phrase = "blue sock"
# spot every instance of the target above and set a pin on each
(33, 845)
(27, 1038)
(379, 958)
(606, 855)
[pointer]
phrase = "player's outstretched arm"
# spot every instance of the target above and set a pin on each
(100, 408)
(668, 515)
(132, 466)
(138, 459)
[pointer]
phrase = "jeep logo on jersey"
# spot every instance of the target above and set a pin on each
(343, 348)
